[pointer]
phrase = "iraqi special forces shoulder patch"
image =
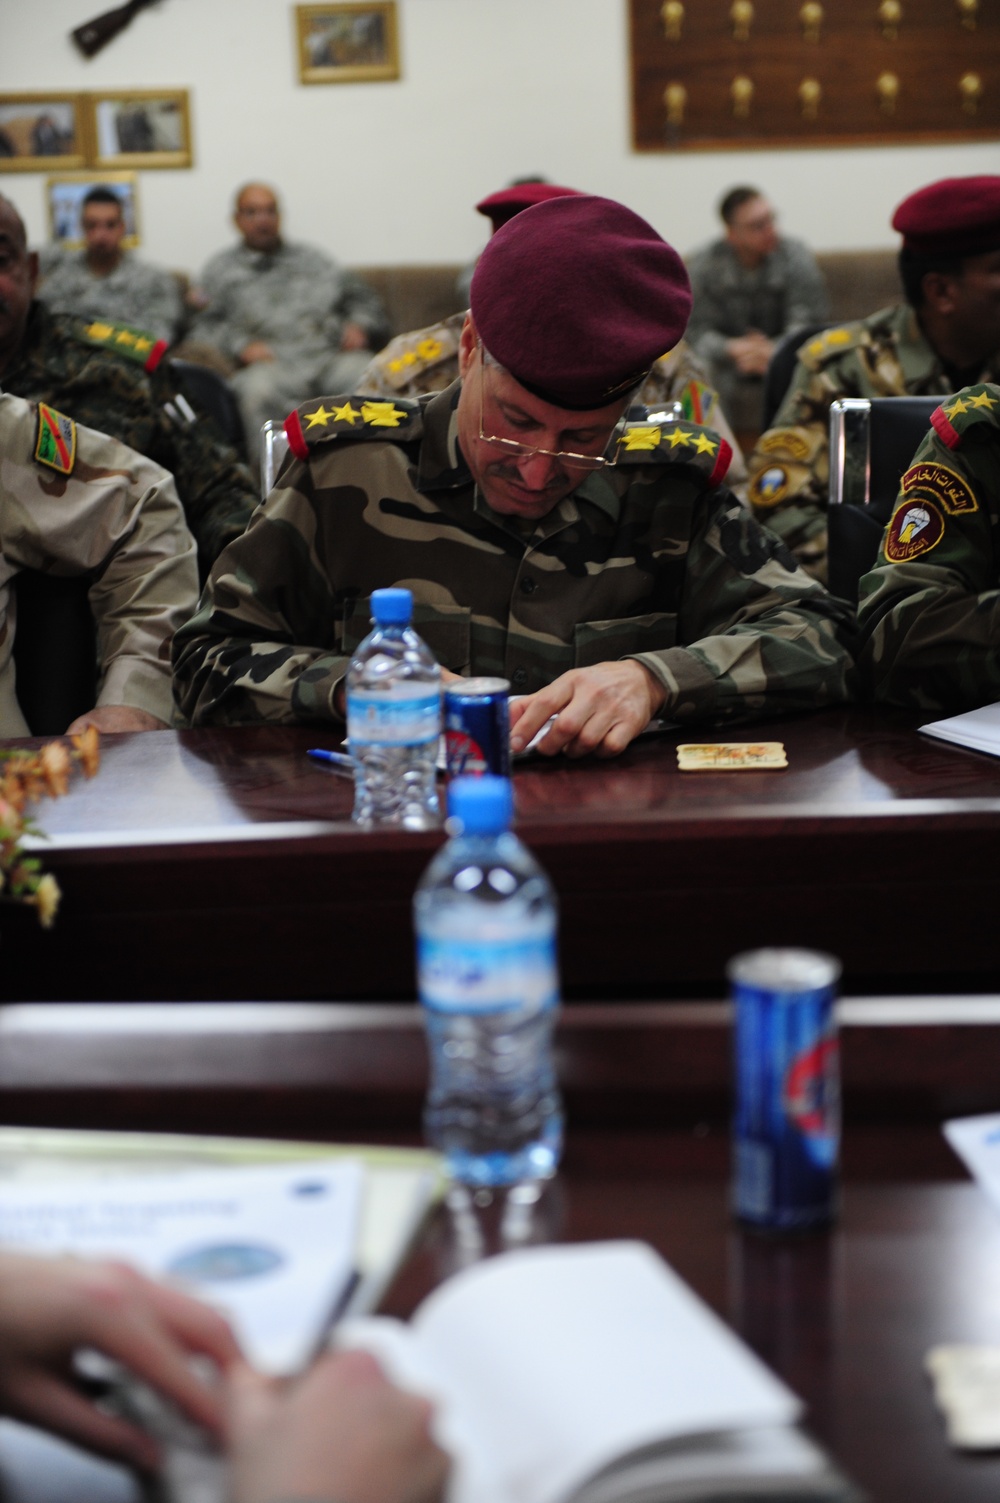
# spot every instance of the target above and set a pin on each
(327, 418)
(831, 343)
(974, 404)
(915, 528)
(676, 443)
(55, 440)
(135, 344)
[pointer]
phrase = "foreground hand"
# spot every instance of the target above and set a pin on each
(353, 337)
(599, 709)
(51, 1307)
(111, 718)
(255, 352)
(751, 353)
(342, 1431)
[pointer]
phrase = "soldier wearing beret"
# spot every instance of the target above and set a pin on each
(113, 378)
(945, 336)
(598, 565)
(930, 609)
(75, 502)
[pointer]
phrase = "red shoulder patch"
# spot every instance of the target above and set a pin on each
(948, 435)
(296, 438)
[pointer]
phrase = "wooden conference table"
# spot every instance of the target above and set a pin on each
(222, 864)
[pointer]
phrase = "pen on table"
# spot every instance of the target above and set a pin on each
(335, 761)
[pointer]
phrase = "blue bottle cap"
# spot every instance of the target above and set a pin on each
(483, 805)
(392, 607)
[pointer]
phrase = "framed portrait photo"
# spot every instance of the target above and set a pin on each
(355, 43)
(65, 195)
(140, 128)
(42, 131)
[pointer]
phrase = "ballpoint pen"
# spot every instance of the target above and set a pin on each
(338, 762)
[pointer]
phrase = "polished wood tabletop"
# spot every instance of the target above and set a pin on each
(223, 864)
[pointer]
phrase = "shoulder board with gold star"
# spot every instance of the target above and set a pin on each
(55, 440)
(135, 344)
(815, 352)
(974, 404)
(326, 418)
(676, 443)
(410, 355)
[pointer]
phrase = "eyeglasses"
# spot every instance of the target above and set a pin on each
(517, 450)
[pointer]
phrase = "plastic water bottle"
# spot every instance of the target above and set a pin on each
(394, 719)
(485, 916)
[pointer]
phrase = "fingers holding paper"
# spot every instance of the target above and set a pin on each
(597, 710)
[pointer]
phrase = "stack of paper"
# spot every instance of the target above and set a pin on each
(979, 730)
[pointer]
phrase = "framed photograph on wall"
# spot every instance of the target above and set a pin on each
(65, 196)
(42, 131)
(355, 43)
(140, 128)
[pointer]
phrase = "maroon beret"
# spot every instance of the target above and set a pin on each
(959, 216)
(510, 201)
(577, 297)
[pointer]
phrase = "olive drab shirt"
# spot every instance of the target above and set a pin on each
(97, 373)
(930, 609)
(885, 355)
(75, 502)
(647, 559)
(426, 360)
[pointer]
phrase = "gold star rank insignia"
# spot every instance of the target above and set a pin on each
(382, 414)
(679, 437)
(983, 400)
(124, 337)
(345, 414)
(429, 349)
(100, 331)
(641, 438)
(956, 407)
(143, 344)
(319, 418)
(704, 444)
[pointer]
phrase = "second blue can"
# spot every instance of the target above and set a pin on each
(477, 727)
(786, 1130)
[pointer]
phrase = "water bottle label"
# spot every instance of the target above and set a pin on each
(488, 975)
(383, 720)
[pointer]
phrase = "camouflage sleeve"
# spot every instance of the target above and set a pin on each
(161, 304)
(216, 323)
(930, 609)
(360, 304)
(763, 638)
(241, 658)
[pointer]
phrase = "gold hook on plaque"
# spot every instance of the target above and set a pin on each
(741, 90)
(811, 16)
(890, 16)
(887, 88)
(967, 10)
(672, 12)
(810, 94)
(675, 98)
(970, 86)
(741, 15)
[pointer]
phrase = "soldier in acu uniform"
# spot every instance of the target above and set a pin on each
(930, 609)
(945, 336)
(607, 592)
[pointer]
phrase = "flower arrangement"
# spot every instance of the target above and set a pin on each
(25, 777)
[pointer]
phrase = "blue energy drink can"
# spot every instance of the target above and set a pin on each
(786, 1130)
(477, 727)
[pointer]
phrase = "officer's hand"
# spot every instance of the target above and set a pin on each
(599, 709)
(111, 718)
(51, 1307)
(353, 337)
(253, 353)
(342, 1431)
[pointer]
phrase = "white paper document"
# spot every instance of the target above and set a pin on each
(976, 1140)
(273, 1248)
(979, 730)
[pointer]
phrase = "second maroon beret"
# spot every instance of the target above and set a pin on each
(958, 216)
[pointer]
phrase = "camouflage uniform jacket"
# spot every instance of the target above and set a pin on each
(91, 373)
(885, 355)
(648, 559)
(74, 502)
(930, 609)
(784, 292)
(295, 299)
(134, 293)
(412, 365)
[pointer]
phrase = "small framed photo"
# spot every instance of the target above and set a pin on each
(356, 43)
(141, 128)
(65, 197)
(42, 131)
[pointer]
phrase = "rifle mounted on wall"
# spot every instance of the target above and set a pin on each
(93, 35)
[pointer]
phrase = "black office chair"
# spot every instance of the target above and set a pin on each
(55, 650)
(781, 368)
(213, 394)
(871, 444)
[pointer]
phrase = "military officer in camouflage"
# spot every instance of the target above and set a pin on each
(112, 378)
(945, 336)
(607, 593)
(930, 609)
(75, 502)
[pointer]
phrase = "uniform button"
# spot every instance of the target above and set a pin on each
(519, 677)
(528, 585)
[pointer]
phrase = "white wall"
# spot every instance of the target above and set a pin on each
(388, 172)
